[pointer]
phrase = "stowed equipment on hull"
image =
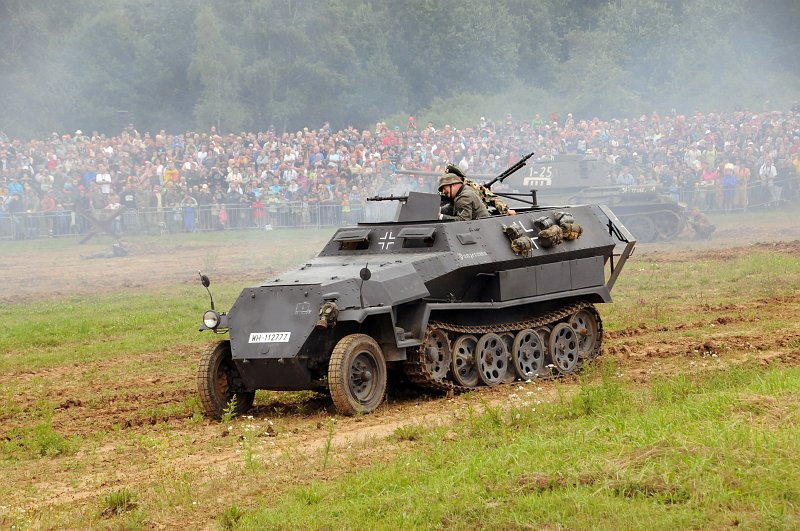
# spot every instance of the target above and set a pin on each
(456, 304)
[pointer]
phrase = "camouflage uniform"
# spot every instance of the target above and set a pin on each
(488, 197)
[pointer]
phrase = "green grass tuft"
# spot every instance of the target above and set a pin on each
(410, 432)
(229, 412)
(230, 517)
(37, 441)
(117, 502)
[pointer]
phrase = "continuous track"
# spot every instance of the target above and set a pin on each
(425, 365)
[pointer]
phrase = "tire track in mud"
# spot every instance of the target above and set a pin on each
(301, 438)
(101, 395)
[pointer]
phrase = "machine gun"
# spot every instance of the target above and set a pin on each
(402, 198)
(485, 189)
(509, 171)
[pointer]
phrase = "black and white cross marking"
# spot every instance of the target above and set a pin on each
(526, 229)
(386, 241)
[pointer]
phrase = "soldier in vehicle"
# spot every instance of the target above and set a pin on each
(489, 199)
(467, 204)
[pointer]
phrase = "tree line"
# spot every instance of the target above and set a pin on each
(252, 64)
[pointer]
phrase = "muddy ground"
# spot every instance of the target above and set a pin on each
(166, 448)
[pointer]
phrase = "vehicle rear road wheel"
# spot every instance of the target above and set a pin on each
(218, 380)
(667, 225)
(465, 368)
(528, 353)
(641, 227)
(564, 348)
(492, 359)
(357, 375)
(585, 324)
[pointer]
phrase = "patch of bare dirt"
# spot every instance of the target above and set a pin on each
(60, 272)
(659, 254)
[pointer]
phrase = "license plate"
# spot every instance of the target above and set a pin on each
(270, 337)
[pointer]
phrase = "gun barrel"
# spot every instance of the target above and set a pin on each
(388, 198)
(519, 164)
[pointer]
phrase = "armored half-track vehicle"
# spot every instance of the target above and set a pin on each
(454, 304)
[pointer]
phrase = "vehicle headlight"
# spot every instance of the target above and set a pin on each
(211, 319)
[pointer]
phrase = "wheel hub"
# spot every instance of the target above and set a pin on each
(365, 376)
(361, 376)
(464, 367)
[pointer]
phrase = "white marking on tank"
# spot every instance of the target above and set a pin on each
(270, 337)
(386, 241)
(526, 229)
(302, 308)
(469, 256)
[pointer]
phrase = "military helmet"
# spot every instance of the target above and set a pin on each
(452, 168)
(448, 178)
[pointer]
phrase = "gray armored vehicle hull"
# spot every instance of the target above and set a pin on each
(452, 304)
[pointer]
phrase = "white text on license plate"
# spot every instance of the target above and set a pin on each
(270, 337)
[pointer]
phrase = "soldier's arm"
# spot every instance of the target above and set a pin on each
(465, 212)
(498, 204)
(463, 209)
(493, 201)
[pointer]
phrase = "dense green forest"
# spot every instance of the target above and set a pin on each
(252, 64)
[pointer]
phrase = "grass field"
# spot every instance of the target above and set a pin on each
(689, 421)
(718, 450)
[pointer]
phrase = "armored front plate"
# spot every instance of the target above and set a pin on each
(274, 321)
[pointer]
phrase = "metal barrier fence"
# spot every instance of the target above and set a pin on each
(712, 198)
(33, 225)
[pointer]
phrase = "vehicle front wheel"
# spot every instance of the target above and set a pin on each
(218, 380)
(357, 375)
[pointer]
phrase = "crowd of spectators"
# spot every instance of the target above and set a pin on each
(207, 180)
